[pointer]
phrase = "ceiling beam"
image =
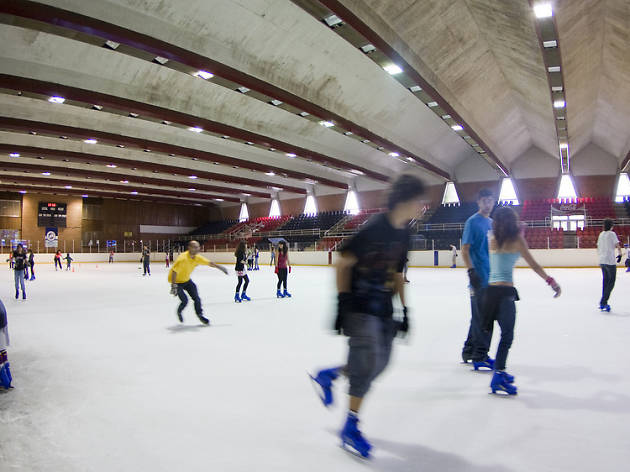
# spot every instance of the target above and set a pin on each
(96, 98)
(95, 27)
(337, 7)
(84, 158)
(16, 166)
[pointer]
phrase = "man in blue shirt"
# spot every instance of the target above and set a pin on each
(475, 255)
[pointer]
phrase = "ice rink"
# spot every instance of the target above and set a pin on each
(106, 379)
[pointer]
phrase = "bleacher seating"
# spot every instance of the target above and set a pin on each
(215, 227)
(599, 208)
(323, 221)
(453, 213)
(543, 238)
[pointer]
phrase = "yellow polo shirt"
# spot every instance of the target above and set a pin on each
(184, 265)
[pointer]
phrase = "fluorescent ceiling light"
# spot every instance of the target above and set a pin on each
(365, 141)
(557, 88)
(195, 129)
(85, 195)
(63, 137)
(134, 193)
(553, 69)
(14, 154)
(432, 104)
(327, 124)
(112, 166)
(368, 48)
(243, 89)
(558, 104)
(120, 145)
(270, 173)
(247, 194)
(415, 88)
(550, 44)
(291, 155)
(68, 186)
(225, 137)
(97, 107)
(192, 176)
(333, 20)
(112, 44)
(543, 10)
(202, 74)
(357, 172)
(249, 143)
(124, 181)
(160, 60)
(277, 188)
(56, 99)
(147, 150)
(22, 191)
(219, 200)
(46, 173)
(133, 115)
(275, 102)
(457, 127)
(192, 189)
(392, 69)
(410, 159)
(564, 146)
(165, 122)
(348, 133)
(303, 113)
(446, 117)
(90, 141)
(394, 154)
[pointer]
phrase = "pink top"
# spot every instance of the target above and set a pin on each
(282, 260)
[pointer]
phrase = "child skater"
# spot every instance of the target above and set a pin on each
(31, 263)
(240, 252)
(68, 261)
(369, 274)
(283, 268)
(58, 260)
(256, 256)
(506, 244)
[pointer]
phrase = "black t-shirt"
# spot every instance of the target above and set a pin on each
(240, 257)
(381, 251)
(19, 260)
(146, 256)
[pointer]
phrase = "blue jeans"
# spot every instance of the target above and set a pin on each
(609, 274)
(19, 281)
(478, 341)
(506, 317)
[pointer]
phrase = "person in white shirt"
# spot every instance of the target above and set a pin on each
(606, 245)
(454, 256)
(627, 262)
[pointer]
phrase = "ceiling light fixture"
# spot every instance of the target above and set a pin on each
(111, 44)
(124, 181)
(543, 10)
(550, 44)
(553, 69)
(85, 195)
(68, 186)
(394, 154)
(90, 141)
(14, 154)
(303, 114)
(275, 102)
(112, 166)
(166, 122)
(22, 191)
(202, 74)
(133, 115)
(270, 173)
(195, 129)
(134, 193)
(368, 48)
(558, 103)
(457, 127)
(564, 146)
(243, 89)
(291, 155)
(357, 172)
(415, 88)
(392, 69)
(192, 189)
(432, 104)
(365, 141)
(56, 99)
(160, 60)
(327, 124)
(192, 176)
(97, 107)
(218, 200)
(348, 133)
(46, 173)
(333, 21)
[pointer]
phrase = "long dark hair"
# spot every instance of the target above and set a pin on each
(285, 248)
(505, 225)
(240, 249)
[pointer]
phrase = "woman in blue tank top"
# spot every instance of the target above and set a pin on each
(506, 245)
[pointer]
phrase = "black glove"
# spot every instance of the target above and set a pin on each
(475, 280)
(403, 326)
(344, 306)
(618, 258)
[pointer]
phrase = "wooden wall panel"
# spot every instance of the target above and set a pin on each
(34, 233)
(468, 191)
(595, 185)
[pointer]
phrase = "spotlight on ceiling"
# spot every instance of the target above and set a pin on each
(392, 69)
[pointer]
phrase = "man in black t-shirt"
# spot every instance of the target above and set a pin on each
(19, 258)
(146, 260)
(369, 275)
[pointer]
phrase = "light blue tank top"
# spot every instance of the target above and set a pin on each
(502, 265)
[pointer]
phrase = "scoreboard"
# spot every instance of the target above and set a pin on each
(51, 214)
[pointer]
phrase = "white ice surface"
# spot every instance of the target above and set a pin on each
(107, 380)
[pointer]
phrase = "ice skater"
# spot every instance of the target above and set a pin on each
(10, 261)
(19, 265)
(453, 256)
(405, 270)
(250, 259)
(627, 262)
(166, 259)
(283, 268)
(5, 371)
(146, 261)
(68, 260)
(31, 263)
(58, 260)
(272, 257)
(607, 242)
(507, 244)
(179, 277)
(369, 275)
(240, 252)
(111, 257)
(475, 255)
(256, 256)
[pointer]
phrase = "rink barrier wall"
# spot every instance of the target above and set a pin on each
(546, 257)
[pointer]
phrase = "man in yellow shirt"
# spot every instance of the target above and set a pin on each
(179, 277)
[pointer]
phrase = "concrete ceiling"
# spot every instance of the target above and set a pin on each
(482, 57)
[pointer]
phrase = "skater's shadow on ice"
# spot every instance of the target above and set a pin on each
(393, 456)
(604, 401)
(191, 328)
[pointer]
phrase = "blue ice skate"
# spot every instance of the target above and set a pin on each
(237, 299)
(323, 384)
(604, 308)
(245, 298)
(502, 382)
(279, 294)
(487, 364)
(287, 294)
(5, 375)
(352, 440)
